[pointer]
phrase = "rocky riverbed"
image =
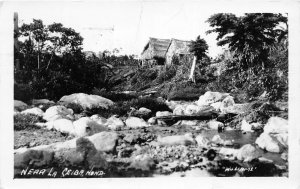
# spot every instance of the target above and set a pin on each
(64, 142)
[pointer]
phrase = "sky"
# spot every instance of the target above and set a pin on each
(133, 22)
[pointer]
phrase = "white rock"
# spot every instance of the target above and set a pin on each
(185, 140)
(104, 141)
(276, 125)
(144, 110)
(227, 102)
(189, 122)
(179, 110)
(100, 120)
(135, 122)
(236, 108)
(192, 110)
(115, 123)
(58, 112)
(19, 105)
(265, 141)
(152, 121)
(217, 106)
(211, 97)
(34, 111)
(202, 141)
(64, 126)
(228, 152)
(246, 126)
(217, 139)
(41, 101)
(213, 124)
(163, 113)
(247, 153)
(83, 125)
(87, 101)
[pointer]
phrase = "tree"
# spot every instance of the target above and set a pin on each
(250, 38)
(199, 48)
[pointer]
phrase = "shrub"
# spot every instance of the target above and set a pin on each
(22, 92)
(24, 121)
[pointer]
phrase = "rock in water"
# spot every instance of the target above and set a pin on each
(265, 141)
(215, 125)
(34, 111)
(135, 122)
(58, 112)
(246, 126)
(276, 125)
(202, 141)
(19, 105)
(87, 101)
(185, 140)
(217, 140)
(104, 141)
(163, 113)
(247, 153)
(211, 97)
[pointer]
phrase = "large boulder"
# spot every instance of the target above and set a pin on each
(135, 122)
(215, 125)
(115, 123)
(35, 111)
(104, 141)
(211, 97)
(247, 153)
(19, 105)
(87, 101)
(63, 125)
(58, 112)
(179, 110)
(185, 140)
(100, 120)
(86, 126)
(272, 143)
(246, 126)
(163, 113)
(276, 125)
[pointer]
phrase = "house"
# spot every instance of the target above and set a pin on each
(155, 51)
(179, 49)
(162, 51)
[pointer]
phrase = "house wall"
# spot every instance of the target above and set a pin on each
(176, 48)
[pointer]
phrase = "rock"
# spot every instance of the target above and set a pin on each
(37, 102)
(211, 154)
(283, 106)
(211, 97)
(256, 126)
(217, 139)
(62, 125)
(284, 156)
(58, 112)
(135, 122)
(100, 120)
(236, 109)
(246, 126)
(265, 160)
(70, 156)
(189, 122)
(145, 111)
(276, 125)
(216, 106)
(86, 126)
(34, 111)
(215, 125)
(87, 101)
(185, 140)
(202, 141)
(229, 152)
(179, 110)
(19, 105)
(227, 102)
(195, 109)
(152, 121)
(131, 138)
(104, 141)
(115, 123)
(142, 162)
(163, 113)
(265, 141)
(247, 153)
(36, 158)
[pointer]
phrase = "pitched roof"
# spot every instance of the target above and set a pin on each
(183, 47)
(158, 48)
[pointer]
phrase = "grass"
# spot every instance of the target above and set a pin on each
(24, 121)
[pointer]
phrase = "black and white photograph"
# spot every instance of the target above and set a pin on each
(160, 89)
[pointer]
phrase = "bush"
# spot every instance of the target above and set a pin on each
(22, 92)
(24, 121)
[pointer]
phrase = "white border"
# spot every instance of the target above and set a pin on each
(6, 103)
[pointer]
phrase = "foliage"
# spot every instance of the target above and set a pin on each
(23, 121)
(199, 48)
(251, 39)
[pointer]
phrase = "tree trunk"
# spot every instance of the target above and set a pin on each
(192, 74)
